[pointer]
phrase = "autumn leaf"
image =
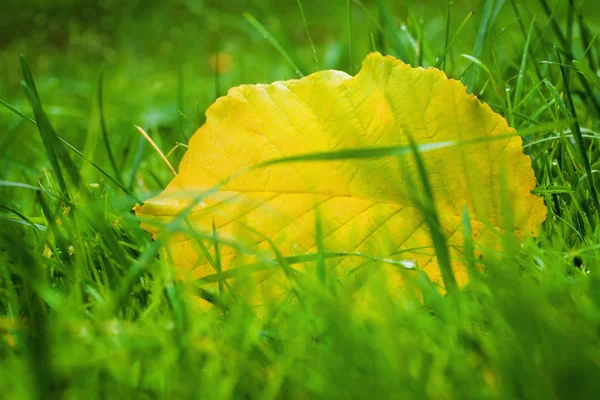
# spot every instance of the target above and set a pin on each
(364, 205)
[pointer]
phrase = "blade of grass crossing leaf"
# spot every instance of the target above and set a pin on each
(396, 151)
(469, 250)
(432, 220)
(579, 140)
(203, 248)
(311, 257)
(320, 247)
(172, 292)
(301, 259)
(214, 262)
(218, 266)
(279, 258)
(105, 137)
(312, 45)
(508, 218)
(266, 35)
(442, 59)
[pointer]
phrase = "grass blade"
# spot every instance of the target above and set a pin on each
(266, 35)
(104, 130)
(429, 211)
(484, 67)
(24, 219)
(579, 139)
(54, 149)
(402, 150)
(563, 41)
(469, 248)
(20, 114)
(320, 247)
(71, 147)
(486, 22)
(588, 73)
(137, 161)
(47, 140)
(523, 66)
(217, 264)
(18, 184)
(349, 27)
(312, 45)
(102, 171)
(446, 34)
(180, 99)
(398, 38)
(587, 41)
(442, 58)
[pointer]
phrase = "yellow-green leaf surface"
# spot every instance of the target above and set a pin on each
(363, 204)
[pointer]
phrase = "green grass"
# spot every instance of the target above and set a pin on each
(88, 310)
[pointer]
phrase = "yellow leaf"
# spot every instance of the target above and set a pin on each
(364, 204)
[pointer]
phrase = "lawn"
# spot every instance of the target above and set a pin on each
(91, 308)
